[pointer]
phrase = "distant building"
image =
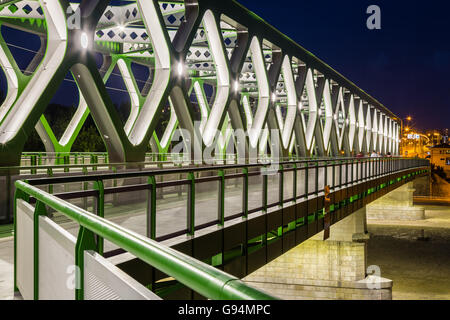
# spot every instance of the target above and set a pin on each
(440, 156)
(435, 137)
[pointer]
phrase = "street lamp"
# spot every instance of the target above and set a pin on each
(84, 40)
(405, 129)
(180, 68)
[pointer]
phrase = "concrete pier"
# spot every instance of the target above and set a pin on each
(396, 205)
(332, 269)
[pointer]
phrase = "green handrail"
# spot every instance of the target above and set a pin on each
(200, 277)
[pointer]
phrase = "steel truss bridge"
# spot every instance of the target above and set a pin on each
(209, 61)
(138, 228)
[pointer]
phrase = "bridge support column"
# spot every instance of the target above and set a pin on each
(331, 269)
(396, 205)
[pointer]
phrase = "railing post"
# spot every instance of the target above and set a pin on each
(378, 166)
(264, 173)
(100, 210)
(375, 167)
(114, 170)
(316, 182)
(18, 194)
(333, 168)
(39, 210)
(85, 187)
(191, 205)
(151, 208)
(306, 180)
(281, 186)
(33, 164)
(366, 165)
(93, 162)
(50, 174)
(361, 170)
(265, 182)
(245, 192)
(85, 241)
(221, 200)
(66, 160)
(294, 181)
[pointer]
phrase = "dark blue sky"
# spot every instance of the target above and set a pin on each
(405, 65)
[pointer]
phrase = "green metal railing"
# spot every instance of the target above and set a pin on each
(346, 171)
(200, 277)
(94, 229)
(66, 158)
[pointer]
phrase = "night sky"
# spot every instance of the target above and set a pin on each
(405, 65)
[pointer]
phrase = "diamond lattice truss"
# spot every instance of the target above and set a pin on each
(213, 63)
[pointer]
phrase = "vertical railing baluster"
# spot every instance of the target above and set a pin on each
(294, 182)
(316, 182)
(40, 210)
(346, 173)
(151, 208)
(100, 210)
(281, 186)
(265, 183)
(66, 161)
(221, 202)
(191, 205)
(33, 164)
(85, 187)
(85, 241)
(334, 174)
(306, 179)
(245, 192)
(50, 174)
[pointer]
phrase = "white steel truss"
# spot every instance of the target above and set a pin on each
(260, 81)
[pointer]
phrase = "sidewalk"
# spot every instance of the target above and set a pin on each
(6, 268)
